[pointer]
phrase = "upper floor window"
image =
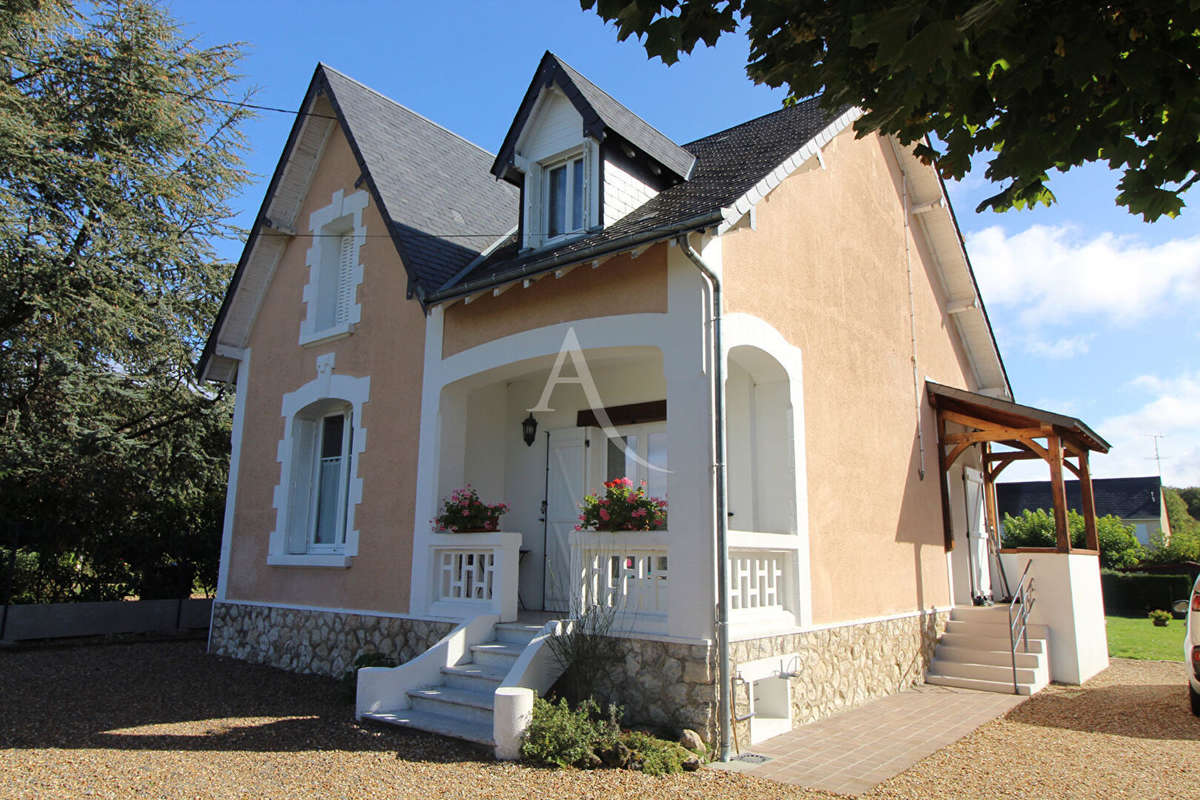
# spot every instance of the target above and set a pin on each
(334, 268)
(565, 203)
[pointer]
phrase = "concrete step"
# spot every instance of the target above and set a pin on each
(1003, 658)
(998, 630)
(996, 613)
(1000, 687)
(496, 654)
(436, 723)
(982, 642)
(516, 632)
(475, 677)
(988, 672)
(448, 701)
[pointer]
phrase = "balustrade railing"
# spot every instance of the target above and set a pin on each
(475, 573)
(624, 571)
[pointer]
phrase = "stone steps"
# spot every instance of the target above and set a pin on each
(461, 705)
(975, 652)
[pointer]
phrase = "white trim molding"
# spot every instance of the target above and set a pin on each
(235, 454)
(354, 391)
(342, 216)
(739, 208)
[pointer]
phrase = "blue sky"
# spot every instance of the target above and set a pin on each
(1093, 309)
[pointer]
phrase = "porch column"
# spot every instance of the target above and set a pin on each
(1058, 490)
(1088, 501)
(691, 553)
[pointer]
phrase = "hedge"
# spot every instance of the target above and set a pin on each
(1140, 592)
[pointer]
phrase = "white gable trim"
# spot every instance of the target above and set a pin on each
(734, 212)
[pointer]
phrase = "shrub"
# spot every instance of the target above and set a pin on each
(348, 686)
(655, 756)
(1159, 617)
(463, 511)
(1138, 592)
(1035, 528)
(560, 737)
(585, 652)
(622, 508)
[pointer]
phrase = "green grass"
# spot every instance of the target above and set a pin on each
(1137, 637)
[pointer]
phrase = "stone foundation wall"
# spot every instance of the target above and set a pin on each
(840, 668)
(665, 685)
(316, 642)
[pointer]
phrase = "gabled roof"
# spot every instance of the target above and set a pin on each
(1128, 498)
(600, 112)
(441, 207)
(728, 164)
(431, 185)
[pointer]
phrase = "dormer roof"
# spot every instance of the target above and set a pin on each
(601, 114)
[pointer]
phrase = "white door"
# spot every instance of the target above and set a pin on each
(567, 484)
(981, 581)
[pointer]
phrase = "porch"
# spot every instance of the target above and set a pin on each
(601, 413)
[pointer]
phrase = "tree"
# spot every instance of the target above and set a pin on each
(1035, 528)
(1191, 497)
(1184, 542)
(1036, 86)
(119, 152)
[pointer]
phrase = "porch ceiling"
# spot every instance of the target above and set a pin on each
(1006, 414)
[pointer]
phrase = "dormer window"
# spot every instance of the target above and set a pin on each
(565, 193)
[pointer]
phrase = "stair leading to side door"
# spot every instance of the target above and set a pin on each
(975, 653)
(460, 705)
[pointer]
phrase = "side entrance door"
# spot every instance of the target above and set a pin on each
(566, 484)
(977, 548)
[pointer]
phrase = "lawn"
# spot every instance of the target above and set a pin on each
(1137, 637)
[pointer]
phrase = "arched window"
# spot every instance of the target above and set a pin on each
(322, 442)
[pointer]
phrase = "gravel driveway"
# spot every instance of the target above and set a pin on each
(165, 720)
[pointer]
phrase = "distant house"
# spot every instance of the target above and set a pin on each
(1137, 501)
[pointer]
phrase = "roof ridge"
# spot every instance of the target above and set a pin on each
(731, 128)
(400, 105)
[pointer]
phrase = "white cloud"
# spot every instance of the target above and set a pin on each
(1052, 274)
(1171, 408)
(1066, 347)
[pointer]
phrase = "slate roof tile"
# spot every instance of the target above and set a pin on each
(1128, 498)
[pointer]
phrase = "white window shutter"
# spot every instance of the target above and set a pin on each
(300, 486)
(347, 253)
(533, 207)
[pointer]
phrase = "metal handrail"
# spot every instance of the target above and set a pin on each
(1018, 618)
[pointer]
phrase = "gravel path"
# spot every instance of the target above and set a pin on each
(165, 720)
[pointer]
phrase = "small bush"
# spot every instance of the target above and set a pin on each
(655, 756)
(348, 686)
(560, 737)
(1160, 617)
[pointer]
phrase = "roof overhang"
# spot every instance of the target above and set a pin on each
(1009, 415)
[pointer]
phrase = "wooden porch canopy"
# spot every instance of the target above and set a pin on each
(1030, 433)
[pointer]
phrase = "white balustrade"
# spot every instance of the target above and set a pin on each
(475, 573)
(627, 571)
(762, 581)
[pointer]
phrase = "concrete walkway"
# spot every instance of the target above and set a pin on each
(854, 751)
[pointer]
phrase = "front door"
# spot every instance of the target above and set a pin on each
(977, 549)
(565, 487)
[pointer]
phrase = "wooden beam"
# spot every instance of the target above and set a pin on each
(1009, 456)
(989, 500)
(1088, 501)
(1058, 493)
(962, 419)
(955, 453)
(947, 524)
(1043, 451)
(1074, 469)
(1003, 463)
(993, 435)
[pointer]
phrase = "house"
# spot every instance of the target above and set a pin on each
(412, 314)
(1137, 501)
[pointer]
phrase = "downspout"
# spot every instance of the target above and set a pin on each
(724, 691)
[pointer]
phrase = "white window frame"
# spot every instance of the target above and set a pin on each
(339, 533)
(537, 195)
(567, 164)
(642, 431)
(334, 275)
(291, 542)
